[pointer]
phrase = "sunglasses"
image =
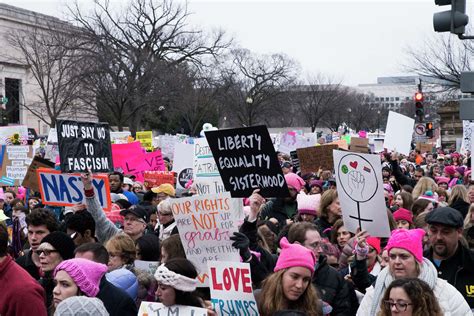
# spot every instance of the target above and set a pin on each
(46, 252)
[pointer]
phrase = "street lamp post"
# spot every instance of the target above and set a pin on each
(378, 123)
(249, 102)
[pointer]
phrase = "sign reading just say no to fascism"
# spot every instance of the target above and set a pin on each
(246, 160)
(84, 146)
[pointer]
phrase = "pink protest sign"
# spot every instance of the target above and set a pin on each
(139, 163)
(122, 152)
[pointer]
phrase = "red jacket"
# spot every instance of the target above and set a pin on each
(20, 294)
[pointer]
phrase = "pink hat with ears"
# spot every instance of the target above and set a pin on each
(21, 193)
(295, 181)
(410, 240)
(294, 255)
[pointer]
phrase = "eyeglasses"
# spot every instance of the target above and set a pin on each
(133, 219)
(46, 252)
(399, 305)
(165, 214)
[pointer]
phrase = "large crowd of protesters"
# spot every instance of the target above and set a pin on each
(80, 260)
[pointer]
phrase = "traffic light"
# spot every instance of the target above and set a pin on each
(453, 20)
(429, 130)
(419, 111)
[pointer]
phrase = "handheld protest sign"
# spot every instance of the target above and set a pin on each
(205, 172)
(15, 162)
(61, 189)
(399, 132)
(205, 224)
(146, 139)
(231, 288)
(31, 179)
(158, 309)
(84, 146)
(14, 135)
(313, 158)
(360, 192)
(153, 179)
(247, 160)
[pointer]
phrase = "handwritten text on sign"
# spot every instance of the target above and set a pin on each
(205, 172)
(205, 224)
(158, 309)
(231, 288)
(67, 189)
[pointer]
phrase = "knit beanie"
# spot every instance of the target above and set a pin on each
(442, 180)
(429, 196)
(295, 181)
(125, 280)
(81, 306)
(308, 204)
(62, 243)
(450, 170)
(294, 255)
(85, 273)
(374, 242)
(410, 240)
(460, 170)
(403, 214)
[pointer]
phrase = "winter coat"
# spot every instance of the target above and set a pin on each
(399, 176)
(116, 301)
(104, 229)
(279, 209)
(461, 205)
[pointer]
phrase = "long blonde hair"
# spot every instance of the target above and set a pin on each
(423, 185)
(467, 219)
(458, 192)
(272, 298)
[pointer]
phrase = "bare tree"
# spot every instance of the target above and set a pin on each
(131, 51)
(254, 83)
(47, 54)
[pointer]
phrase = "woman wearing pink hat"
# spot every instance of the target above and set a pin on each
(290, 287)
(406, 261)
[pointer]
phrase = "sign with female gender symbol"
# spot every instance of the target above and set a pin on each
(360, 191)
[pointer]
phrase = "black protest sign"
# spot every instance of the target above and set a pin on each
(84, 146)
(246, 160)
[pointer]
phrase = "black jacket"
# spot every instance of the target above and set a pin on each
(333, 289)
(323, 225)
(461, 205)
(278, 208)
(458, 270)
(27, 263)
(399, 176)
(116, 301)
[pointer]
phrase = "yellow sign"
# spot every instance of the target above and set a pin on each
(146, 139)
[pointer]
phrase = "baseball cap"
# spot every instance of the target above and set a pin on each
(138, 211)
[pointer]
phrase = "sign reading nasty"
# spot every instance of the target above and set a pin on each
(247, 160)
(84, 146)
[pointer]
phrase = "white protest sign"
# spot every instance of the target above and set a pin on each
(167, 143)
(183, 164)
(205, 172)
(275, 140)
(290, 141)
(120, 137)
(205, 224)
(231, 288)
(14, 135)
(467, 128)
(148, 266)
(399, 132)
(15, 162)
(360, 191)
(158, 309)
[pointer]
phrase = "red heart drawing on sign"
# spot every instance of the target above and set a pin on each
(353, 164)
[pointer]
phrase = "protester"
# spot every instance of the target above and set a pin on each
(172, 248)
(148, 248)
(166, 225)
(20, 293)
(81, 305)
(339, 234)
(404, 218)
(122, 252)
(81, 227)
(459, 200)
(330, 211)
(116, 186)
(163, 192)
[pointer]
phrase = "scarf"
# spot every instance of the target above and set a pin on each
(428, 274)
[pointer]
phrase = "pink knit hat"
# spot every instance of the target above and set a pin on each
(442, 180)
(450, 170)
(85, 273)
(2, 194)
(308, 204)
(374, 242)
(295, 181)
(294, 255)
(410, 240)
(403, 214)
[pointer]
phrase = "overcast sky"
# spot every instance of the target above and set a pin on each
(353, 41)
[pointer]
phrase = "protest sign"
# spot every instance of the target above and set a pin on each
(399, 132)
(61, 189)
(360, 145)
(275, 140)
(147, 266)
(84, 146)
(158, 309)
(146, 139)
(341, 143)
(14, 135)
(183, 164)
(137, 165)
(167, 143)
(207, 178)
(231, 288)
(378, 145)
(31, 179)
(295, 162)
(313, 158)
(424, 147)
(120, 137)
(291, 141)
(15, 163)
(205, 224)
(247, 160)
(360, 191)
(153, 179)
(32, 136)
(122, 152)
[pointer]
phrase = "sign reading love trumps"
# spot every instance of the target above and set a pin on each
(84, 146)
(247, 160)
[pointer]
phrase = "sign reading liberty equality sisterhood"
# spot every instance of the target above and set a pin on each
(246, 160)
(84, 146)
(205, 224)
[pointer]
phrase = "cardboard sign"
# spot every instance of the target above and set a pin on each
(424, 147)
(231, 288)
(14, 135)
(146, 139)
(205, 224)
(360, 191)
(360, 145)
(148, 266)
(84, 146)
(15, 163)
(158, 309)
(399, 132)
(341, 143)
(60, 189)
(153, 179)
(205, 172)
(31, 179)
(183, 164)
(313, 158)
(247, 160)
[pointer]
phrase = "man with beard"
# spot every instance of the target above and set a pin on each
(454, 262)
